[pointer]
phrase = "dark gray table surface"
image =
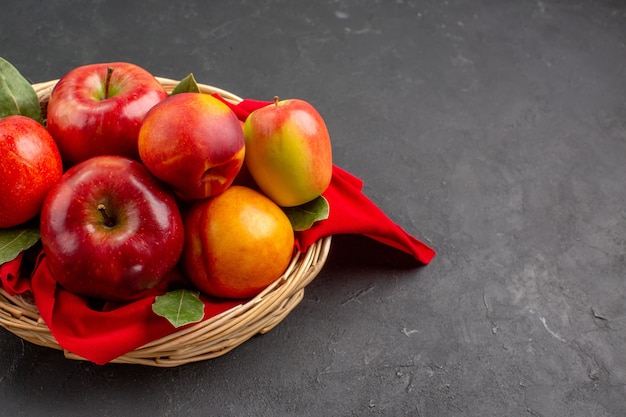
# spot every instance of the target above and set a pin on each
(493, 130)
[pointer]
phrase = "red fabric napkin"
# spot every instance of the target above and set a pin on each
(351, 212)
(10, 276)
(101, 335)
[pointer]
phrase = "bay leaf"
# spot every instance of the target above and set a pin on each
(17, 96)
(15, 240)
(186, 85)
(304, 216)
(179, 307)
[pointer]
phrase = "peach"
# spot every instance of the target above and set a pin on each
(236, 243)
(193, 142)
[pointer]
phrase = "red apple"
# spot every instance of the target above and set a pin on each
(193, 142)
(110, 230)
(97, 109)
(288, 151)
(30, 164)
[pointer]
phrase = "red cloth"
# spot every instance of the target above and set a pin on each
(102, 335)
(351, 212)
(10, 276)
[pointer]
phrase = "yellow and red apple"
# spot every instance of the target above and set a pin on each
(30, 164)
(193, 142)
(288, 151)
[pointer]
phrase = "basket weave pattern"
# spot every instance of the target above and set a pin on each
(208, 339)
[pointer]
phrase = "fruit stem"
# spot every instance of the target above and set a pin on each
(107, 82)
(108, 220)
(276, 101)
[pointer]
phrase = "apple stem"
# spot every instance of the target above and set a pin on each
(107, 82)
(276, 101)
(108, 220)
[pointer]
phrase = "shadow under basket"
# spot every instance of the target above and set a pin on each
(207, 339)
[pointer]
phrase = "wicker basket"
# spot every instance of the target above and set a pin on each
(204, 340)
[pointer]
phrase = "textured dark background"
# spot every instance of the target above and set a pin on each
(494, 130)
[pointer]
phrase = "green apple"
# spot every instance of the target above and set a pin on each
(288, 151)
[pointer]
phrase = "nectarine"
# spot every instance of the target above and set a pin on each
(193, 142)
(237, 243)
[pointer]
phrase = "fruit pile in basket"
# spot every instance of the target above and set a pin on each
(132, 187)
(154, 221)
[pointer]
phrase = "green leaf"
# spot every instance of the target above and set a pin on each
(302, 217)
(15, 240)
(17, 96)
(179, 307)
(186, 85)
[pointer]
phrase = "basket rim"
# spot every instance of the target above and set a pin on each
(44, 89)
(210, 338)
